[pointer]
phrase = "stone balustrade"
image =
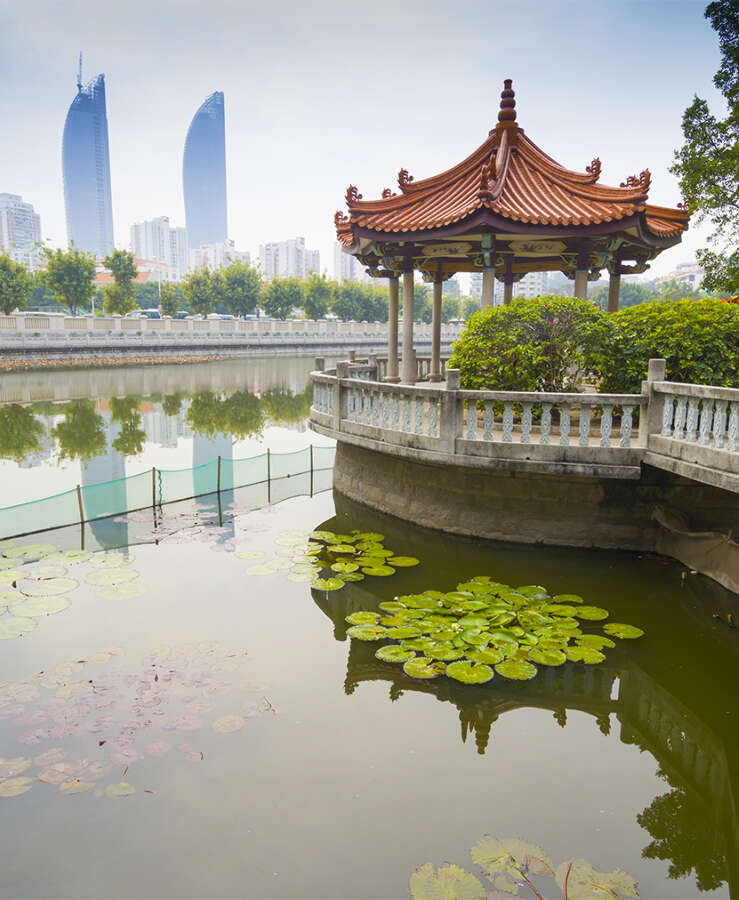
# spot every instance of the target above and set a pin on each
(688, 429)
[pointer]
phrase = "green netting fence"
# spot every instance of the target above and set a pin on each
(156, 487)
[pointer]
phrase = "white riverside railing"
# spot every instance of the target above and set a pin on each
(687, 429)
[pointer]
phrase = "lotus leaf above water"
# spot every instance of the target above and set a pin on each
(486, 628)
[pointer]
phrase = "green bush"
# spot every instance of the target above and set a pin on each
(540, 344)
(698, 338)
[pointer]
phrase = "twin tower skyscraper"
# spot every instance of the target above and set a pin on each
(86, 171)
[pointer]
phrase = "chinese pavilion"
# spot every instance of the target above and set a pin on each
(506, 210)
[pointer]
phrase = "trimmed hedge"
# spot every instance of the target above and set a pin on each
(553, 343)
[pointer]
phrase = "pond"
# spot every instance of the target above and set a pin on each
(192, 719)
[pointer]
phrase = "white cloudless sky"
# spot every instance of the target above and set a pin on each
(323, 94)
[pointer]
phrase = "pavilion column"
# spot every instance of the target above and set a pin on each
(408, 370)
(507, 290)
(392, 332)
(435, 373)
(488, 287)
(581, 276)
(614, 288)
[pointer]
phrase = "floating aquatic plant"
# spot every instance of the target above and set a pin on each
(484, 628)
(511, 864)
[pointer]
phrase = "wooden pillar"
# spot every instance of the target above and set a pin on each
(614, 289)
(488, 287)
(581, 283)
(435, 373)
(392, 332)
(408, 370)
(508, 290)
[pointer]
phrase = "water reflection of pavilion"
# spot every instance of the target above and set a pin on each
(691, 755)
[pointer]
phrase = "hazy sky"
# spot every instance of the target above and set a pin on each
(323, 94)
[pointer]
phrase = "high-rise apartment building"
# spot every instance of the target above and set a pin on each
(290, 258)
(86, 170)
(20, 230)
(533, 284)
(204, 174)
(217, 255)
(156, 239)
(348, 267)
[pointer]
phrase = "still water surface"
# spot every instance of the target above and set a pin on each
(307, 767)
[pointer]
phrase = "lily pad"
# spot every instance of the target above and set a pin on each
(344, 567)
(517, 669)
(327, 584)
(51, 587)
(362, 618)
(353, 576)
(378, 571)
(567, 598)
(444, 651)
(488, 655)
(111, 575)
(593, 613)
(228, 724)
(41, 606)
(584, 654)
(547, 657)
(10, 576)
(341, 548)
(596, 641)
(371, 537)
(469, 672)
(36, 551)
(249, 554)
(421, 667)
(402, 632)
(127, 591)
(391, 606)
(367, 632)
(446, 883)
(15, 626)
(514, 857)
(9, 598)
(403, 562)
(261, 569)
(14, 787)
(586, 883)
(122, 789)
(394, 653)
(619, 630)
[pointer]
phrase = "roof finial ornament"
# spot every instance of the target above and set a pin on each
(352, 195)
(507, 111)
(594, 168)
(643, 181)
(387, 193)
(404, 179)
(340, 220)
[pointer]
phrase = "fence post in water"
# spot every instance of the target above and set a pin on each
(79, 501)
(269, 478)
(154, 487)
(311, 470)
(218, 488)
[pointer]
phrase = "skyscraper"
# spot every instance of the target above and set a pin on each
(204, 174)
(20, 230)
(86, 169)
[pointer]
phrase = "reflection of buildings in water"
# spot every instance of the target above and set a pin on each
(104, 489)
(46, 441)
(691, 755)
(164, 430)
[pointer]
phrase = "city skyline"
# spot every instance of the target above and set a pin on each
(292, 152)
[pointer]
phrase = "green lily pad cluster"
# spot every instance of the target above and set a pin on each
(509, 864)
(327, 560)
(485, 627)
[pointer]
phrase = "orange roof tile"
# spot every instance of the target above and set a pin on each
(512, 178)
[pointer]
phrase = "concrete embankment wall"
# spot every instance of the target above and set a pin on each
(660, 512)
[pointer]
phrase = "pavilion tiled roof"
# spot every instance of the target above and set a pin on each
(514, 179)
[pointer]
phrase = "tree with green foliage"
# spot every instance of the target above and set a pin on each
(119, 297)
(282, 406)
(82, 434)
(20, 432)
(539, 344)
(146, 294)
(281, 296)
(172, 404)
(699, 339)
(15, 285)
(707, 164)
(358, 302)
(70, 274)
(239, 414)
(422, 302)
(451, 308)
(631, 293)
(200, 289)
(168, 300)
(240, 288)
(675, 290)
(470, 305)
(317, 296)
(131, 438)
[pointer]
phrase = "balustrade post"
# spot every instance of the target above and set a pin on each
(449, 418)
(650, 417)
(319, 364)
(342, 371)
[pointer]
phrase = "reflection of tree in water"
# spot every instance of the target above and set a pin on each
(172, 404)
(131, 438)
(81, 435)
(20, 431)
(281, 405)
(684, 834)
(239, 414)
